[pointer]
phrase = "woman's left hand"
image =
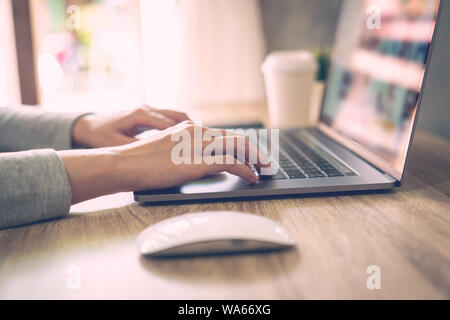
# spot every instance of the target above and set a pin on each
(97, 131)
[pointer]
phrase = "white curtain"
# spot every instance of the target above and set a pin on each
(202, 52)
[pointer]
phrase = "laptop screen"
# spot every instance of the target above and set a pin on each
(376, 74)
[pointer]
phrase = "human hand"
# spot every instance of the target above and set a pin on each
(152, 163)
(149, 163)
(97, 131)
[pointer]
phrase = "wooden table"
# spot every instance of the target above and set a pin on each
(406, 233)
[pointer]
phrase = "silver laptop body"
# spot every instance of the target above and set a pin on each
(370, 109)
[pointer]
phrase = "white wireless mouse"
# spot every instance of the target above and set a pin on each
(213, 233)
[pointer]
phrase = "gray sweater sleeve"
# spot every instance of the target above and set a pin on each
(26, 128)
(33, 184)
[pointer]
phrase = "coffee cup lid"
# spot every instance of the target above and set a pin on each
(290, 61)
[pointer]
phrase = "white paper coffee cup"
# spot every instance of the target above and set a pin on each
(289, 78)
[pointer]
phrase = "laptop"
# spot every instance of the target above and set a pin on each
(370, 109)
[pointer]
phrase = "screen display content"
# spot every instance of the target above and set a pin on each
(377, 72)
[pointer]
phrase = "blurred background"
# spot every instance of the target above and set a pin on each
(106, 55)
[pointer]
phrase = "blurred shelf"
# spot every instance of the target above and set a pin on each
(388, 69)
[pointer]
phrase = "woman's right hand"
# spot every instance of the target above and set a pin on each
(153, 163)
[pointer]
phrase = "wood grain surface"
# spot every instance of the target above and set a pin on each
(404, 232)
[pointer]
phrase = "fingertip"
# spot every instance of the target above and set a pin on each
(248, 175)
(254, 179)
(183, 117)
(242, 170)
(170, 123)
(176, 116)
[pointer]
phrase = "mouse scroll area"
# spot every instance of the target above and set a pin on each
(218, 247)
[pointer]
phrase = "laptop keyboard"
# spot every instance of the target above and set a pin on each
(302, 159)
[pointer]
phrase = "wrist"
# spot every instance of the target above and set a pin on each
(81, 130)
(92, 173)
(124, 174)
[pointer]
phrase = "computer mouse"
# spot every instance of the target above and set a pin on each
(208, 233)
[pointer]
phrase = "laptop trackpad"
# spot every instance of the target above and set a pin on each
(214, 183)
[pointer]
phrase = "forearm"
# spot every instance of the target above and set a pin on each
(25, 128)
(34, 187)
(93, 173)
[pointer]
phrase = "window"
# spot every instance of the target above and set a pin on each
(88, 54)
(112, 54)
(202, 52)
